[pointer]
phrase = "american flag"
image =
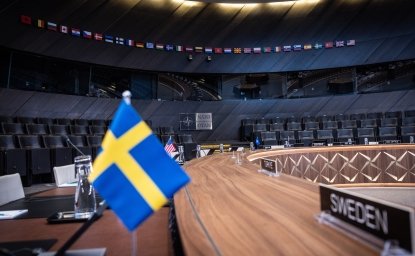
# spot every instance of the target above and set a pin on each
(169, 147)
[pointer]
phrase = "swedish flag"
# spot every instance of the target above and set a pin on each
(132, 172)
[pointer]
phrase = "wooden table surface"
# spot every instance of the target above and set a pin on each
(153, 236)
(231, 209)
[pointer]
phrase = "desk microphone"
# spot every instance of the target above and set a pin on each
(73, 145)
(82, 229)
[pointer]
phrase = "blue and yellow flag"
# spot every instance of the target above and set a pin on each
(132, 172)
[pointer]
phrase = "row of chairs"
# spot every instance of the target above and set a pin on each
(247, 130)
(57, 129)
(46, 120)
(336, 117)
(341, 136)
(33, 156)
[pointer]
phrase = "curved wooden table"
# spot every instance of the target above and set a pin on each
(231, 209)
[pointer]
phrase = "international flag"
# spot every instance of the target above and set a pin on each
(119, 40)
(308, 47)
(132, 172)
(75, 32)
(169, 47)
(318, 46)
(287, 48)
(169, 147)
(26, 19)
(257, 50)
(266, 49)
(98, 36)
(218, 50)
(351, 42)
(150, 45)
(188, 49)
(297, 47)
(40, 23)
(63, 29)
(237, 50)
(87, 34)
(159, 47)
(199, 49)
(179, 48)
(339, 43)
(328, 45)
(139, 44)
(130, 42)
(109, 39)
(277, 49)
(52, 26)
(247, 50)
(227, 50)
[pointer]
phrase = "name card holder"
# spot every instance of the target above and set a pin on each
(382, 225)
(269, 167)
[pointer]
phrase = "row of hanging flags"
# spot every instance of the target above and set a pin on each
(76, 32)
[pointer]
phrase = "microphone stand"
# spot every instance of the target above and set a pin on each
(82, 229)
(73, 145)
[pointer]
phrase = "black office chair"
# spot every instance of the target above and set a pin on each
(388, 134)
(349, 124)
(278, 120)
(80, 143)
(374, 115)
(409, 113)
(12, 158)
(98, 122)
(311, 126)
(341, 117)
(306, 137)
(38, 157)
(288, 137)
(269, 138)
(346, 135)
(14, 128)
(276, 127)
(294, 126)
(44, 120)
(408, 121)
(396, 114)
(246, 129)
(25, 120)
(357, 116)
(167, 130)
(257, 129)
(369, 123)
(60, 152)
(308, 119)
(58, 129)
(390, 122)
(325, 118)
(189, 146)
(94, 142)
(84, 122)
(366, 134)
(79, 129)
(63, 121)
(327, 125)
(326, 135)
(408, 134)
(37, 129)
(98, 130)
(6, 119)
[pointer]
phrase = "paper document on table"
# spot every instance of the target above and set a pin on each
(68, 184)
(7, 215)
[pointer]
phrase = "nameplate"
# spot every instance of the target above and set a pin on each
(269, 167)
(382, 219)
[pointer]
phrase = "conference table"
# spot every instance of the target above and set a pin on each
(152, 237)
(230, 208)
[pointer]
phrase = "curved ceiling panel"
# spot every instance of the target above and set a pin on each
(383, 31)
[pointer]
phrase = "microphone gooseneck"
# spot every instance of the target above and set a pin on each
(73, 145)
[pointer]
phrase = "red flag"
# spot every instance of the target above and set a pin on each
(25, 19)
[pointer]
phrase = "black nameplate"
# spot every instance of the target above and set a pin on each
(382, 219)
(269, 165)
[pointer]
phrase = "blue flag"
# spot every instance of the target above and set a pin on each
(257, 141)
(132, 172)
